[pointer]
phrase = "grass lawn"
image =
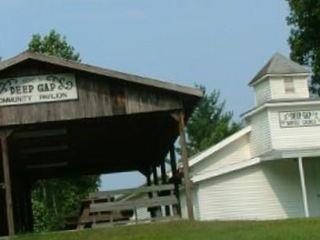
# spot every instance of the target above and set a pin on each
(289, 229)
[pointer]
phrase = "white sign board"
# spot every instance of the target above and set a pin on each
(299, 119)
(37, 89)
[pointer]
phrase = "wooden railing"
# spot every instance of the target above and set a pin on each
(105, 208)
(147, 189)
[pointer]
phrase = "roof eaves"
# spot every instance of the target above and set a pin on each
(280, 103)
(264, 77)
(226, 169)
(101, 71)
(211, 150)
(279, 65)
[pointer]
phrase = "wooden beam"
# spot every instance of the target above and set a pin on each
(40, 133)
(149, 189)
(185, 161)
(57, 148)
(175, 116)
(49, 165)
(132, 204)
(7, 180)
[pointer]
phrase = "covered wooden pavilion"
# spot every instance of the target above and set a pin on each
(59, 117)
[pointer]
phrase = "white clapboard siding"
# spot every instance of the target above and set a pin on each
(266, 191)
(293, 138)
(301, 89)
(260, 140)
(143, 213)
(262, 92)
(312, 179)
(232, 153)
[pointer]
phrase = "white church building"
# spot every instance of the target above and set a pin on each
(271, 168)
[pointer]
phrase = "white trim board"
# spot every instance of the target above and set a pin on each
(280, 104)
(199, 157)
(225, 170)
(252, 84)
(290, 153)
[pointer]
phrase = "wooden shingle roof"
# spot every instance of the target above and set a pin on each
(27, 55)
(279, 64)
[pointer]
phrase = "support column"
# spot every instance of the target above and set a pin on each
(157, 210)
(303, 187)
(164, 181)
(184, 158)
(155, 175)
(149, 183)
(29, 209)
(7, 180)
(177, 208)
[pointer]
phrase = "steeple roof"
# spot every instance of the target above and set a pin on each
(279, 64)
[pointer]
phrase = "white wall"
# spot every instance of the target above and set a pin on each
(312, 177)
(293, 138)
(196, 203)
(236, 151)
(273, 88)
(266, 191)
(278, 89)
(260, 140)
(262, 92)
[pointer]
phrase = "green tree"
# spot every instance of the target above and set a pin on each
(304, 40)
(209, 123)
(53, 44)
(51, 202)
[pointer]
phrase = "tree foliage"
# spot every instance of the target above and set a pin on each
(55, 199)
(304, 39)
(53, 44)
(209, 123)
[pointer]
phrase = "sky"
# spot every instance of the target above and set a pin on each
(218, 44)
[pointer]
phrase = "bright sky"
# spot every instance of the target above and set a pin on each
(219, 44)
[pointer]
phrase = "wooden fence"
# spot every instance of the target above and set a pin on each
(120, 206)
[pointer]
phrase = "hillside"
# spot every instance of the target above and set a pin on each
(289, 229)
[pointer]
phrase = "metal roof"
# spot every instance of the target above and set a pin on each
(279, 64)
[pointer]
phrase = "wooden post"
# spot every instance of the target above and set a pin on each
(155, 175)
(164, 181)
(303, 187)
(7, 180)
(25, 206)
(28, 218)
(150, 194)
(157, 210)
(177, 208)
(185, 162)
(149, 183)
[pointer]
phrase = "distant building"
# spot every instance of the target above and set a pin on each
(271, 168)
